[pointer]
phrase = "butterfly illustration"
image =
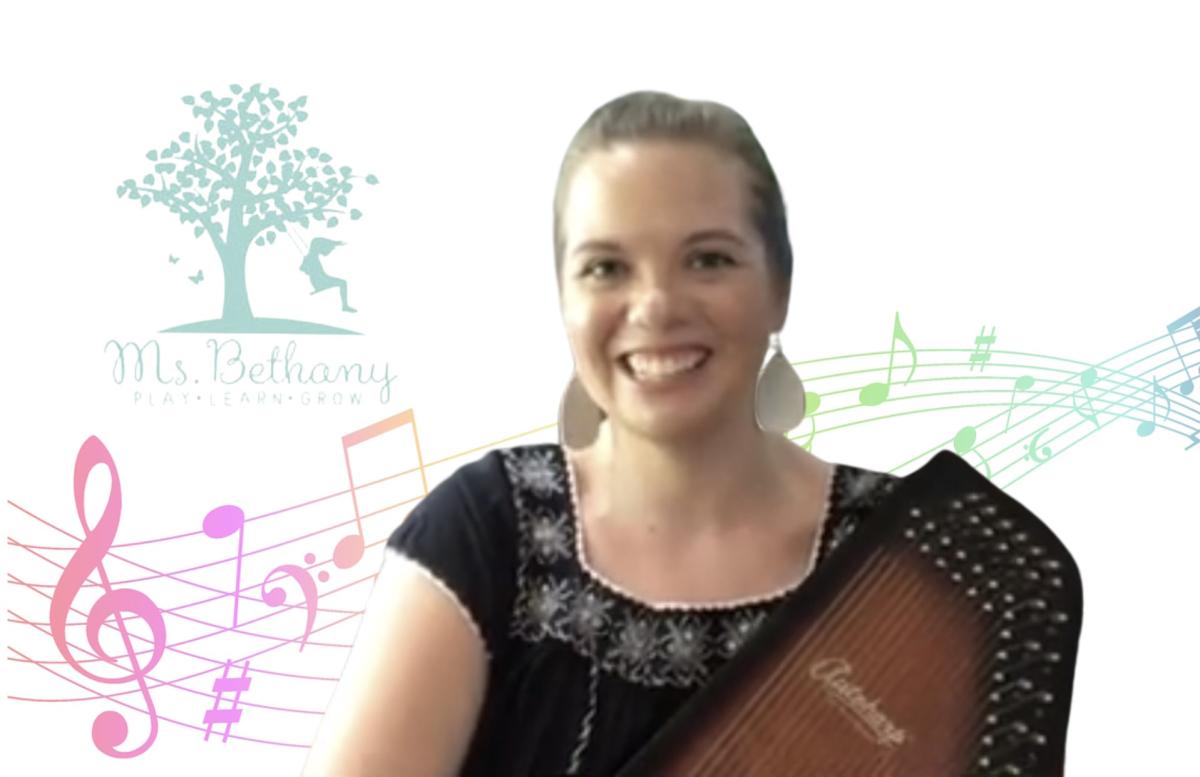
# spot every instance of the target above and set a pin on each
(173, 259)
(197, 277)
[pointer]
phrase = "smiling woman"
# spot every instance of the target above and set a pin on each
(548, 607)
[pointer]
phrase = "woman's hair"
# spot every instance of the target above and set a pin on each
(650, 115)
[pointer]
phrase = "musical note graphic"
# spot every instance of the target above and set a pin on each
(981, 357)
(1087, 378)
(876, 393)
(812, 400)
(221, 522)
(964, 441)
(222, 685)
(1023, 383)
(110, 728)
(1146, 428)
(1032, 453)
(277, 597)
(349, 549)
(1192, 318)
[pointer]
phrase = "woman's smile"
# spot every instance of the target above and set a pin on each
(666, 369)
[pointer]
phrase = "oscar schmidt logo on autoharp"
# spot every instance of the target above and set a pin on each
(833, 674)
(249, 197)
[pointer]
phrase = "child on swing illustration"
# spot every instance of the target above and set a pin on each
(321, 280)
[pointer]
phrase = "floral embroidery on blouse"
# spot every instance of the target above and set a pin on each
(557, 599)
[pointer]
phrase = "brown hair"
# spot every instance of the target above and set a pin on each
(651, 115)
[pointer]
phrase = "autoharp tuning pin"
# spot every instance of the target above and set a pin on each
(915, 512)
(957, 504)
(975, 496)
(1036, 604)
(1021, 683)
(1019, 727)
(1050, 563)
(1036, 550)
(1040, 697)
(989, 509)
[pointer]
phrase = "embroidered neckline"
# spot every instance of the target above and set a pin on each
(646, 643)
(613, 588)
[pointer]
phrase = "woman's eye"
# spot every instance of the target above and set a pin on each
(713, 258)
(601, 269)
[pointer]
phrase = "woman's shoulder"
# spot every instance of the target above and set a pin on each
(859, 486)
(498, 473)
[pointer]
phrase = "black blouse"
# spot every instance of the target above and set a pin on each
(581, 673)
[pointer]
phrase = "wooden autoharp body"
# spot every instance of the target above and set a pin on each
(938, 640)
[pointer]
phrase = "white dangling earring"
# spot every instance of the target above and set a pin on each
(578, 416)
(779, 394)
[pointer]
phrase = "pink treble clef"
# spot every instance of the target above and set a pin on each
(110, 728)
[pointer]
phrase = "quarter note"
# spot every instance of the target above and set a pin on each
(349, 549)
(877, 393)
(221, 522)
(1192, 318)
(1023, 383)
(1146, 428)
(964, 442)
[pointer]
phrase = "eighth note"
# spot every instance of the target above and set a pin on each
(1192, 318)
(349, 549)
(1087, 378)
(875, 393)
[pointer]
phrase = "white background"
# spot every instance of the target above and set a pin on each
(1032, 166)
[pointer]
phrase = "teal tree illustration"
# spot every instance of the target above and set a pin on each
(241, 183)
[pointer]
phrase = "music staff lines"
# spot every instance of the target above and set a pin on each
(174, 647)
(159, 715)
(176, 683)
(174, 574)
(1145, 428)
(160, 683)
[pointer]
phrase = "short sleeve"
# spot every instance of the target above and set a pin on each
(463, 533)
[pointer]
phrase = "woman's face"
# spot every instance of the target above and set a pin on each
(667, 297)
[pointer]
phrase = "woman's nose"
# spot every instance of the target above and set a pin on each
(653, 303)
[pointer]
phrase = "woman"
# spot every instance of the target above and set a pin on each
(546, 608)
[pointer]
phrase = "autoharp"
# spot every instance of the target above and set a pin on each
(938, 640)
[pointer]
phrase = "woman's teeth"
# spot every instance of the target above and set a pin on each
(645, 367)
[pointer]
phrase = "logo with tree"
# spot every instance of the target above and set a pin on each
(241, 183)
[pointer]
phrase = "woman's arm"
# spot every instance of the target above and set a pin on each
(409, 698)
